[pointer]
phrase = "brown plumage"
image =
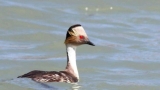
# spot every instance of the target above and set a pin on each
(50, 76)
(75, 36)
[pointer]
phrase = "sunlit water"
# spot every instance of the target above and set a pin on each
(126, 35)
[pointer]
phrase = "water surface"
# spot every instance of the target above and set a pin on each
(126, 35)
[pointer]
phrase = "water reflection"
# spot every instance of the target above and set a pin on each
(46, 86)
(75, 86)
(28, 83)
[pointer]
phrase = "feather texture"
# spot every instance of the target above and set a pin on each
(50, 76)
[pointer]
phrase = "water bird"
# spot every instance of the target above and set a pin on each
(75, 36)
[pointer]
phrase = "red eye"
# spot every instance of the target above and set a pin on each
(81, 36)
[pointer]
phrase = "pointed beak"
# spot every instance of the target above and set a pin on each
(90, 43)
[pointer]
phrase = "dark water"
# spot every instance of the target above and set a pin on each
(126, 34)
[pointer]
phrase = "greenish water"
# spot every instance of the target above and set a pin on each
(126, 35)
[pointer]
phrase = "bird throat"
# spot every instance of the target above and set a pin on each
(71, 60)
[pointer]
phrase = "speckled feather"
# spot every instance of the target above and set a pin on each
(50, 76)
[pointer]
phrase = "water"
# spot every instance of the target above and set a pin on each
(126, 34)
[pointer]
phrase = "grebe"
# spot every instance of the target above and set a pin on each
(75, 36)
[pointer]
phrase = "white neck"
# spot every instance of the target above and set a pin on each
(71, 60)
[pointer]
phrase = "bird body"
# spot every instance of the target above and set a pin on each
(75, 36)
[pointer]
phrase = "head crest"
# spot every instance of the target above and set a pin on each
(76, 30)
(76, 35)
